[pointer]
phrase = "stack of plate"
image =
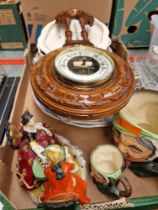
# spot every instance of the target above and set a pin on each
(53, 36)
(67, 120)
(80, 83)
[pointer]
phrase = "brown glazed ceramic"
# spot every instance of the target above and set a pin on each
(84, 18)
(81, 101)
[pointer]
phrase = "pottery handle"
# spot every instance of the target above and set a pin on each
(65, 17)
(127, 187)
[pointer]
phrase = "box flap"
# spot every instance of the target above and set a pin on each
(5, 178)
(6, 155)
(38, 13)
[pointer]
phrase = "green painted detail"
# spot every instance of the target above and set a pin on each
(38, 170)
(116, 175)
(144, 132)
(120, 128)
(108, 189)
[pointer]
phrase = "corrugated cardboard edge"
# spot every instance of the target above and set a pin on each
(5, 177)
(6, 153)
(38, 13)
(21, 92)
(8, 156)
(15, 118)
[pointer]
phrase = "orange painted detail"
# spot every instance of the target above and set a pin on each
(68, 188)
(129, 127)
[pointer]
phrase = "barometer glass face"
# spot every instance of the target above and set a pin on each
(82, 64)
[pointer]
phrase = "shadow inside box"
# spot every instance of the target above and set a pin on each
(8, 87)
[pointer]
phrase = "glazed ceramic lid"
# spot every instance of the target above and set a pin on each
(46, 44)
(79, 80)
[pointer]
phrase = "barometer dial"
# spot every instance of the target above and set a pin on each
(84, 64)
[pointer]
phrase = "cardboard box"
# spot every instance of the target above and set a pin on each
(38, 13)
(131, 23)
(85, 138)
(9, 1)
(12, 30)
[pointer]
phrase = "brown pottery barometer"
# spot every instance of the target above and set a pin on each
(80, 81)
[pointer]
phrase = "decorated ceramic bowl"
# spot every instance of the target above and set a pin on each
(136, 131)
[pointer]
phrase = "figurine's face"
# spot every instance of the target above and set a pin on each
(132, 150)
